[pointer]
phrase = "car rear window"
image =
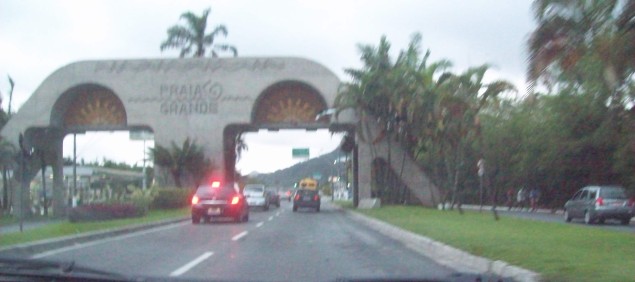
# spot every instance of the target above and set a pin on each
(207, 190)
(254, 189)
(306, 192)
(613, 193)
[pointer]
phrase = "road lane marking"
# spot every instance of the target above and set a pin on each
(191, 264)
(101, 241)
(270, 218)
(259, 224)
(240, 235)
(278, 214)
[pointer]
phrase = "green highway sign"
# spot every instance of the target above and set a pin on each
(300, 152)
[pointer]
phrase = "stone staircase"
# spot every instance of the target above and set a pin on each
(392, 153)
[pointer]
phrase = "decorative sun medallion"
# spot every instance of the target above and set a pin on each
(95, 107)
(288, 102)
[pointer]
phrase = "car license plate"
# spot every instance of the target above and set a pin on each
(306, 198)
(213, 211)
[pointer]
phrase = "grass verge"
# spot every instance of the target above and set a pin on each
(560, 252)
(67, 228)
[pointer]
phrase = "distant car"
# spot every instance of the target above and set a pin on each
(284, 194)
(274, 198)
(304, 198)
(256, 196)
(216, 200)
(598, 203)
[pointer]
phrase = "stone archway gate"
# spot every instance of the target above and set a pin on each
(199, 98)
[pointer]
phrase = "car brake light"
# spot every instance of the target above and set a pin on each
(316, 198)
(599, 201)
(194, 200)
(215, 184)
(297, 197)
(235, 200)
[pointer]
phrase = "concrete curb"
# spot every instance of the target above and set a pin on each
(32, 248)
(446, 255)
(504, 209)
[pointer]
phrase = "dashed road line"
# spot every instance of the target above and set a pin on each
(239, 235)
(191, 264)
(259, 224)
(270, 218)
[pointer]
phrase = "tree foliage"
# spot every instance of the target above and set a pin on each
(188, 160)
(432, 112)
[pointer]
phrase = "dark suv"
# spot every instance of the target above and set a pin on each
(304, 198)
(216, 200)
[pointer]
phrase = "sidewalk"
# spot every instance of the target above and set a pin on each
(27, 225)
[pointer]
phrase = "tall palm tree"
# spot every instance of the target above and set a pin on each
(192, 37)
(189, 158)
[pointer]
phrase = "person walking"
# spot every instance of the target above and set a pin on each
(534, 196)
(510, 198)
(521, 198)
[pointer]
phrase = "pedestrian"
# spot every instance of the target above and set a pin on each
(510, 198)
(521, 197)
(534, 196)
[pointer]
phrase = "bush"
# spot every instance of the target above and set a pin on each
(141, 200)
(171, 198)
(103, 211)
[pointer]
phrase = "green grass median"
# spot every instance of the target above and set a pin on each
(560, 252)
(60, 229)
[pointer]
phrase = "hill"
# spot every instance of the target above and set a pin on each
(320, 167)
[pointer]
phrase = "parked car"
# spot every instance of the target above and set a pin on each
(598, 203)
(304, 198)
(216, 200)
(274, 198)
(256, 196)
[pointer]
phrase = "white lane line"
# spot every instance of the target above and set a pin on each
(259, 224)
(270, 218)
(97, 242)
(191, 264)
(240, 235)
(278, 214)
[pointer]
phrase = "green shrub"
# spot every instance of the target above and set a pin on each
(170, 198)
(141, 200)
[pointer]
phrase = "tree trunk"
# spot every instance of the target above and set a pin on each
(5, 189)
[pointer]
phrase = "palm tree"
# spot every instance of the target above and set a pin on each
(192, 37)
(571, 32)
(189, 158)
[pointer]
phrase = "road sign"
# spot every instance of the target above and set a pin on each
(141, 135)
(300, 152)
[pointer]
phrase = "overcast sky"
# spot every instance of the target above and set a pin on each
(38, 37)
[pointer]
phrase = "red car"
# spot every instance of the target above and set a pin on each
(216, 200)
